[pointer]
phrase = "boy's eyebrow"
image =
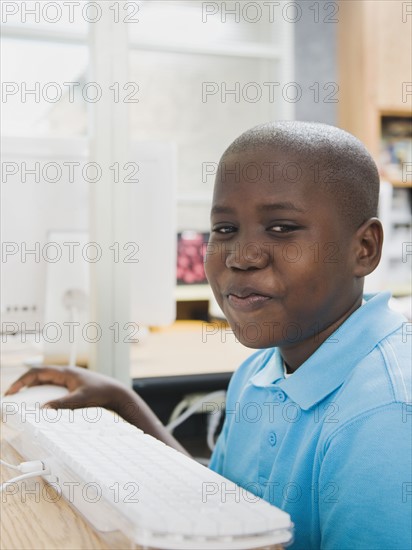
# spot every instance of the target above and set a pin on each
(220, 209)
(280, 206)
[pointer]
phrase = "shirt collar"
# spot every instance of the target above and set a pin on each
(326, 369)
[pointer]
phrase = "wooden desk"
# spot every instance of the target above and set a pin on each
(42, 520)
(37, 518)
(187, 348)
(183, 348)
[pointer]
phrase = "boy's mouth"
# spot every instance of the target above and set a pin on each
(247, 299)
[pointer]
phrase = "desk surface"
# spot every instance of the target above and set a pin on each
(36, 517)
(34, 521)
(187, 348)
(182, 349)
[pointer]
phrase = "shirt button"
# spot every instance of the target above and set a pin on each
(272, 439)
(280, 396)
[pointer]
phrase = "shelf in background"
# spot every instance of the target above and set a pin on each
(188, 293)
(397, 183)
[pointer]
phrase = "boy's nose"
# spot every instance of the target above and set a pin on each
(244, 256)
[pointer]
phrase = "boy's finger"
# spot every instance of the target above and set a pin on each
(25, 380)
(35, 377)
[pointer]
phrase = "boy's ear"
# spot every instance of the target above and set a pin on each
(368, 247)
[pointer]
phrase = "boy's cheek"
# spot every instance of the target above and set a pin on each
(212, 272)
(214, 262)
(208, 271)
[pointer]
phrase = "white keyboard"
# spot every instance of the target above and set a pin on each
(128, 484)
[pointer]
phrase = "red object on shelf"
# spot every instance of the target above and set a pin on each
(191, 247)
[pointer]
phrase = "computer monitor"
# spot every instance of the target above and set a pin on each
(46, 251)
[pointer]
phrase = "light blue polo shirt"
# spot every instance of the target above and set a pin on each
(332, 443)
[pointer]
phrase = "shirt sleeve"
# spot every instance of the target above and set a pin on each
(365, 488)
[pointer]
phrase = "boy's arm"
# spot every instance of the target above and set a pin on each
(90, 389)
(365, 483)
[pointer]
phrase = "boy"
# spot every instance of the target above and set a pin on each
(318, 420)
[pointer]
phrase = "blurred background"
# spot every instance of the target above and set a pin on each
(114, 117)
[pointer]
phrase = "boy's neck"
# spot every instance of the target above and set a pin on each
(294, 356)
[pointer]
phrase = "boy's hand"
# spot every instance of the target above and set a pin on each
(86, 388)
(91, 389)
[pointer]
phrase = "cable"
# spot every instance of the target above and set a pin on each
(177, 411)
(75, 301)
(213, 420)
(202, 460)
(193, 408)
(12, 466)
(20, 478)
(25, 467)
(33, 468)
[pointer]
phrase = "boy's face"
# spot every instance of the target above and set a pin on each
(280, 258)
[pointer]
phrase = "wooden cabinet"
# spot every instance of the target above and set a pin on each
(375, 66)
(375, 99)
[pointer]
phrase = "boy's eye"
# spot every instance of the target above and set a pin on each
(224, 229)
(282, 228)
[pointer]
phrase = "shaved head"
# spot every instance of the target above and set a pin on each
(345, 168)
